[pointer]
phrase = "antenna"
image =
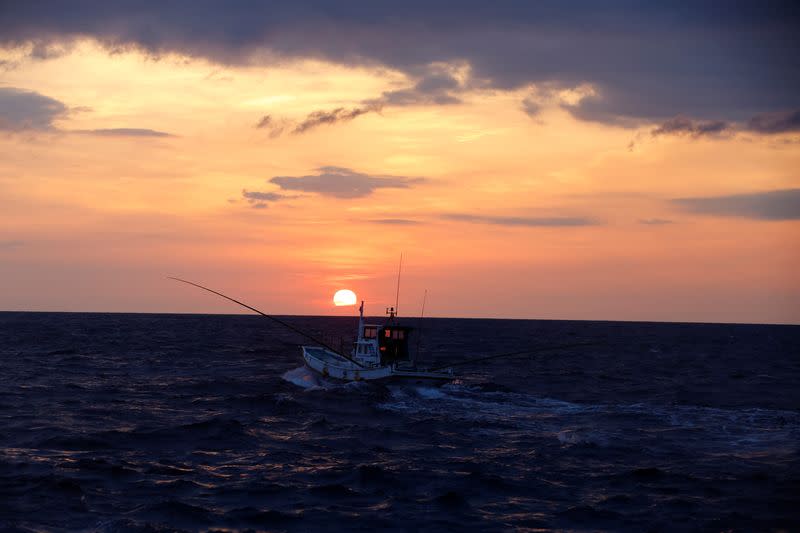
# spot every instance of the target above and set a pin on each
(421, 316)
(397, 296)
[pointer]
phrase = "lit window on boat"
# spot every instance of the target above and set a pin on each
(387, 333)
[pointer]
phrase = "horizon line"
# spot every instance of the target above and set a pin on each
(790, 324)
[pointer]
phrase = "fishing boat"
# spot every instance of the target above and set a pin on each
(380, 352)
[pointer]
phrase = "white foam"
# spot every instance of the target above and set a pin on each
(302, 377)
(429, 393)
(721, 430)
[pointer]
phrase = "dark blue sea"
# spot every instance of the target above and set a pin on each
(135, 422)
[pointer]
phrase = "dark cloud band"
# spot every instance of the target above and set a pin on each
(648, 60)
(781, 204)
(341, 182)
(521, 221)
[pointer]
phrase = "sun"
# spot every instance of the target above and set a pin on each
(344, 297)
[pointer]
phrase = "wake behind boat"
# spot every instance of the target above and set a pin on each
(379, 353)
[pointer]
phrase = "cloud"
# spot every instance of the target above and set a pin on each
(436, 86)
(647, 60)
(340, 114)
(265, 122)
(781, 204)
(764, 124)
(779, 122)
(258, 199)
(394, 222)
(530, 107)
(28, 110)
(681, 125)
(654, 221)
(341, 182)
(275, 127)
(521, 221)
(125, 132)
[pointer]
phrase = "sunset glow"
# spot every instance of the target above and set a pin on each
(282, 174)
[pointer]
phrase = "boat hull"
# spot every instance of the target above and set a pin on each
(332, 366)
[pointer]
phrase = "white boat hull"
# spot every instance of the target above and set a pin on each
(331, 365)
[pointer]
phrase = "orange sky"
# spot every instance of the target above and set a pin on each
(498, 213)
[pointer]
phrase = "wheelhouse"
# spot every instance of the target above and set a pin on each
(393, 343)
(388, 342)
(381, 344)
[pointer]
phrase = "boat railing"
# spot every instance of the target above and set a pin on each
(342, 343)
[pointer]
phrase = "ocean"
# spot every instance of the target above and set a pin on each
(148, 422)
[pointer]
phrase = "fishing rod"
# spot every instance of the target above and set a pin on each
(511, 354)
(278, 320)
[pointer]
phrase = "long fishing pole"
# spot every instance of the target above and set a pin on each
(278, 320)
(529, 351)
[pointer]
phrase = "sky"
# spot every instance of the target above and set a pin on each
(554, 160)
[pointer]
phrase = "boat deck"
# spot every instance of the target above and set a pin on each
(324, 355)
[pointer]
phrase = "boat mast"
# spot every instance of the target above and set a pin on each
(397, 294)
(419, 329)
(361, 322)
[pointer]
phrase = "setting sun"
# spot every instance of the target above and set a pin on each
(344, 297)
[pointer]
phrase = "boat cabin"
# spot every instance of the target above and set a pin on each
(381, 344)
(392, 341)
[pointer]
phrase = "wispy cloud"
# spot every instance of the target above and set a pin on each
(341, 182)
(655, 221)
(124, 132)
(275, 127)
(780, 122)
(395, 221)
(531, 107)
(259, 200)
(682, 125)
(781, 204)
(340, 114)
(435, 86)
(521, 221)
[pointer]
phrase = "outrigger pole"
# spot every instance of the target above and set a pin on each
(278, 320)
(529, 351)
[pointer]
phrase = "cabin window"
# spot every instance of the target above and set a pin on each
(387, 333)
(369, 333)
